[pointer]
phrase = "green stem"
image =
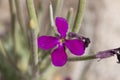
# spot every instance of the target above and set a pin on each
(58, 7)
(39, 14)
(47, 65)
(52, 18)
(69, 18)
(79, 16)
(42, 57)
(34, 32)
(12, 13)
(20, 16)
(33, 27)
(82, 58)
(51, 15)
(34, 54)
(32, 14)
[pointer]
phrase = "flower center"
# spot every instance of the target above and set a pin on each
(62, 40)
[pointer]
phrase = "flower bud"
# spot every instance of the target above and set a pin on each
(105, 54)
(84, 39)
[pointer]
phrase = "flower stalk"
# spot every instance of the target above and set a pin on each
(79, 16)
(99, 55)
(83, 58)
(69, 18)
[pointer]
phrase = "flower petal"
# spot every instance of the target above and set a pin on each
(47, 42)
(62, 26)
(59, 57)
(76, 46)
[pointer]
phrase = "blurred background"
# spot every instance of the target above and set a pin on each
(101, 24)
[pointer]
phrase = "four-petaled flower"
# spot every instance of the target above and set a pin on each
(58, 55)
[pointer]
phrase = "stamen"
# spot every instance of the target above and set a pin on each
(62, 40)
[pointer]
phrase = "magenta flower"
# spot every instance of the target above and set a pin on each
(58, 55)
